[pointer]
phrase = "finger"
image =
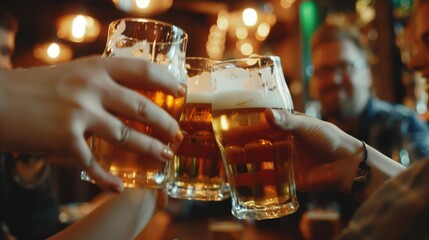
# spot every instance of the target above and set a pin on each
(115, 131)
(280, 119)
(134, 106)
(288, 121)
(139, 73)
(102, 178)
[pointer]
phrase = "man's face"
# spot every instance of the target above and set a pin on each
(341, 80)
(7, 46)
(420, 60)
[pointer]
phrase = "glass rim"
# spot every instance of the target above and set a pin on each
(229, 62)
(184, 36)
(202, 58)
(206, 60)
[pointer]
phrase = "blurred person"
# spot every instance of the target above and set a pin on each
(29, 209)
(395, 199)
(342, 83)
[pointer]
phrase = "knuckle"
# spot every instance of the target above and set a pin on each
(124, 134)
(151, 145)
(143, 108)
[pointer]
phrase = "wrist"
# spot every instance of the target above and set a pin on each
(381, 169)
(362, 178)
(348, 168)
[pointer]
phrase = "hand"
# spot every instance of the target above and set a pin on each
(327, 158)
(52, 109)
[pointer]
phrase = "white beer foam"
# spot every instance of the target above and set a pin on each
(254, 88)
(200, 83)
(248, 99)
(196, 97)
(239, 78)
(200, 88)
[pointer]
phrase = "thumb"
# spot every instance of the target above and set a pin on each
(285, 120)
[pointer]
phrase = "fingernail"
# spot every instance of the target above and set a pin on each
(167, 154)
(182, 89)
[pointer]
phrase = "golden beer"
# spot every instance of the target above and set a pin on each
(197, 171)
(258, 159)
(136, 170)
(259, 162)
(160, 43)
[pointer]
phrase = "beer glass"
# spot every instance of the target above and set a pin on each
(321, 222)
(160, 43)
(258, 159)
(197, 170)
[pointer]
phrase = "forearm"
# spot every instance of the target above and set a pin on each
(121, 217)
(382, 169)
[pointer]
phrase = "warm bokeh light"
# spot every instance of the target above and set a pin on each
(241, 33)
(286, 3)
(263, 30)
(222, 22)
(143, 7)
(53, 52)
(142, 3)
(250, 17)
(78, 28)
(245, 47)
(215, 44)
(246, 29)
(365, 10)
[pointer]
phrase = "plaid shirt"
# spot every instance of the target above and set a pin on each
(398, 210)
(390, 128)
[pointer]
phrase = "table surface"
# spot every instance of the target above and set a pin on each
(167, 225)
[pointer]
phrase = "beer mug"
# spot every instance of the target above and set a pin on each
(197, 170)
(258, 159)
(157, 42)
(321, 221)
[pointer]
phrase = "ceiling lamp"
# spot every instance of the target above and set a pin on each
(143, 7)
(251, 23)
(78, 28)
(53, 52)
